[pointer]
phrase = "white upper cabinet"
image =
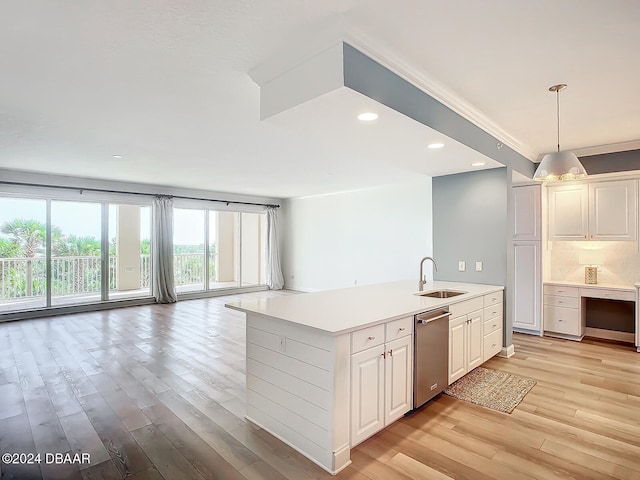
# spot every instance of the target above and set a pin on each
(593, 211)
(527, 205)
(569, 212)
(612, 210)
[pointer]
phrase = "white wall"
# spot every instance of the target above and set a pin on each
(366, 236)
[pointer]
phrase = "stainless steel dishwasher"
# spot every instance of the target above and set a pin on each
(431, 355)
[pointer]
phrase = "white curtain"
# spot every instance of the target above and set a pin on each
(275, 280)
(164, 289)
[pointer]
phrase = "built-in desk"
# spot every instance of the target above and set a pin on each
(566, 309)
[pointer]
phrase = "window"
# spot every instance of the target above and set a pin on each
(188, 249)
(129, 251)
(95, 251)
(23, 280)
(231, 253)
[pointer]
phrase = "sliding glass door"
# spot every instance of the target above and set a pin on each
(218, 249)
(76, 252)
(129, 251)
(23, 280)
(188, 249)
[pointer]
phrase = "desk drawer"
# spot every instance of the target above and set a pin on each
(606, 293)
(562, 320)
(561, 290)
(367, 338)
(558, 301)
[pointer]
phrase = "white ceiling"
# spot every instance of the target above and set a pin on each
(166, 85)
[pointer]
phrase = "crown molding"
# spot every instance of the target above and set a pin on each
(608, 148)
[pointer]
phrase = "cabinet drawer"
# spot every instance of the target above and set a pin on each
(468, 306)
(561, 290)
(492, 325)
(492, 311)
(562, 320)
(493, 298)
(492, 344)
(559, 301)
(612, 294)
(367, 338)
(398, 328)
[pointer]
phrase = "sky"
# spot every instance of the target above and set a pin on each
(83, 219)
(78, 218)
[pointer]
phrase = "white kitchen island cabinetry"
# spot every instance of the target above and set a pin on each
(593, 211)
(307, 354)
(381, 379)
(465, 337)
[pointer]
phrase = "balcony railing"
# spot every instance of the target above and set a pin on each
(24, 278)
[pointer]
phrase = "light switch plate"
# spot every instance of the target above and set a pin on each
(478, 266)
(462, 266)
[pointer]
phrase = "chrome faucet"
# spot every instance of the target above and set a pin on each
(423, 278)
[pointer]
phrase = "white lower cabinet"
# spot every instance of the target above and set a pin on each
(381, 381)
(465, 344)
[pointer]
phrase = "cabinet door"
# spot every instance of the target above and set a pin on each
(526, 207)
(527, 285)
(568, 212)
(367, 393)
(457, 348)
(398, 378)
(612, 210)
(475, 339)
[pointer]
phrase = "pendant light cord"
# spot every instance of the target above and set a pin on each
(558, 115)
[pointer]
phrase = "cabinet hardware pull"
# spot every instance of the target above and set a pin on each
(391, 352)
(384, 354)
(372, 338)
(401, 329)
(493, 346)
(494, 326)
(560, 320)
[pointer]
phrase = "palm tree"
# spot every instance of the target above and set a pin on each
(28, 234)
(28, 237)
(74, 246)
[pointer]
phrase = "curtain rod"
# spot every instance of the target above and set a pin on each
(82, 189)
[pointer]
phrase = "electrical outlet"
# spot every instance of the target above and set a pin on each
(478, 266)
(462, 266)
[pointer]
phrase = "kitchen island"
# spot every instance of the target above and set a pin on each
(325, 370)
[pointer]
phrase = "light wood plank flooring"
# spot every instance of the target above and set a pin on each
(157, 392)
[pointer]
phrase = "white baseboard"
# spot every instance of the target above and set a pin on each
(507, 352)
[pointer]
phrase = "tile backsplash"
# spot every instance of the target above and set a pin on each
(618, 262)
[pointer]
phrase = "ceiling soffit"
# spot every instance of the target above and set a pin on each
(342, 65)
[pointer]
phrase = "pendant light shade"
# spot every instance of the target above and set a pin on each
(559, 166)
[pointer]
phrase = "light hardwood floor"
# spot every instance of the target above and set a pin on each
(157, 392)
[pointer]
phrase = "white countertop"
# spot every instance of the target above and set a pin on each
(348, 309)
(591, 285)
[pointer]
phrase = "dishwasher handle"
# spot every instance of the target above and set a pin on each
(425, 318)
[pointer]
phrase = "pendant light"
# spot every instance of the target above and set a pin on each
(559, 166)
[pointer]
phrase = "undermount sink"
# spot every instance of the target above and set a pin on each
(441, 293)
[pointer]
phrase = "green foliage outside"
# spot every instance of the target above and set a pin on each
(25, 239)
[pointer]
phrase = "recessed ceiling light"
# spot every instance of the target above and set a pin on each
(367, 116)
(118, 156)
(435, 145)
(478, 164)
